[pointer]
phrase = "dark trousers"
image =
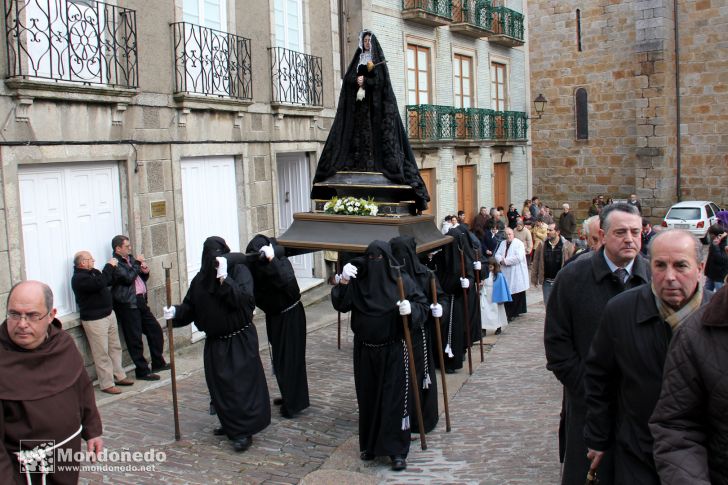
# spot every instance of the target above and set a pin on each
(135, 322)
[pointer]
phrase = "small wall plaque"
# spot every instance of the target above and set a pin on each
(158, 208)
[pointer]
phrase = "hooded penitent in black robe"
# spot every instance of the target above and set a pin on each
(233, 370)
(453, 322)
(368, 135)
(470, 246)
(405, 254)
(278, 295)
(381, 365)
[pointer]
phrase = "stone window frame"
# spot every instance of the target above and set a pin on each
(472, 54)
(432, 65)
(496, 59)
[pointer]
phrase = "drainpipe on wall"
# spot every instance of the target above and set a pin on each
(677, 101)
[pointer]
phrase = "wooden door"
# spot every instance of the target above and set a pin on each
(428, 176)
(467, 200)
(502, 172)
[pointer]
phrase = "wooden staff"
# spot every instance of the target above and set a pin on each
(413, 371)
(170, 339)
(441, 357)
(465, 312)
(338, 314)
(477, 286)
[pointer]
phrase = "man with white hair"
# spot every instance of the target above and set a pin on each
(567, 223)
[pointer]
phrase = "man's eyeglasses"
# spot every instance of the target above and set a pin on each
(31, 317)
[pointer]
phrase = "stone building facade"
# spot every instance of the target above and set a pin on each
(459, 72)
(637, 101)
(167, 121)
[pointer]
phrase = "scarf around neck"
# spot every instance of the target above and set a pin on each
(673, 317)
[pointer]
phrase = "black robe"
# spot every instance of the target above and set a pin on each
(368, 135)
(233, 369)
(454, 327)
(423, 345)
(381, 366)
(278, 295)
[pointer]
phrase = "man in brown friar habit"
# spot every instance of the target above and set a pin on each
(278, 295)
(46, 395)
(221, 304)
(381, 373)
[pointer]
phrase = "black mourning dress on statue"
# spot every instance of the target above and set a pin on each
(233, 370)
(403, 250)
(368, 135)
(278, 295)
(381, 374)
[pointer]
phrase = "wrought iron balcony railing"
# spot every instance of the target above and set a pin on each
(441, 8)
(475, 12)
(426, 122)
(296, 77)
(508, 22)
(82, 41)
(211, 62)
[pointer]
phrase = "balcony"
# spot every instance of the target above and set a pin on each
(211, 63)
(464, 126)
(296, 78)
(65, 43)
(507, 27)
(472, 18)
(432, 13)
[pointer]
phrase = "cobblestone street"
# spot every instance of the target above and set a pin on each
(504, 421)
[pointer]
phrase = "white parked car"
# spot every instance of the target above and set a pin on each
(694, 215)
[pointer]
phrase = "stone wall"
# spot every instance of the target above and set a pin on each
(627, 66)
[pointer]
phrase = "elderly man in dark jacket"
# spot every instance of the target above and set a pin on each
(689, 423)
(624, 366)
(580, 293)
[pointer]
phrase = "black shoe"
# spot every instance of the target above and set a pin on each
(243, 443)
(498, 331)
(285, 413)
(366, 456)
(510, 319)
(219, 431)
(148, 377)
(399, 463)
(278, 401)
(160, 368)
(449, 371)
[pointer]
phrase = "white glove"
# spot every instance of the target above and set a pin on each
(464, 283)
(221, 267)
(348, 272)
(169, 312)
(267, 252)
(404, 307)
(476, 265)
(436, 310)
(337, 279)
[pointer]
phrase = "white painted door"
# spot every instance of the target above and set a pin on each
(210, 208)
(65, 209)
(293, 196)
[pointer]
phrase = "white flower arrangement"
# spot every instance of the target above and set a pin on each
(351, 206)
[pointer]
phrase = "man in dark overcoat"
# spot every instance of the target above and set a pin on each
(624, 366)
(580, 294)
